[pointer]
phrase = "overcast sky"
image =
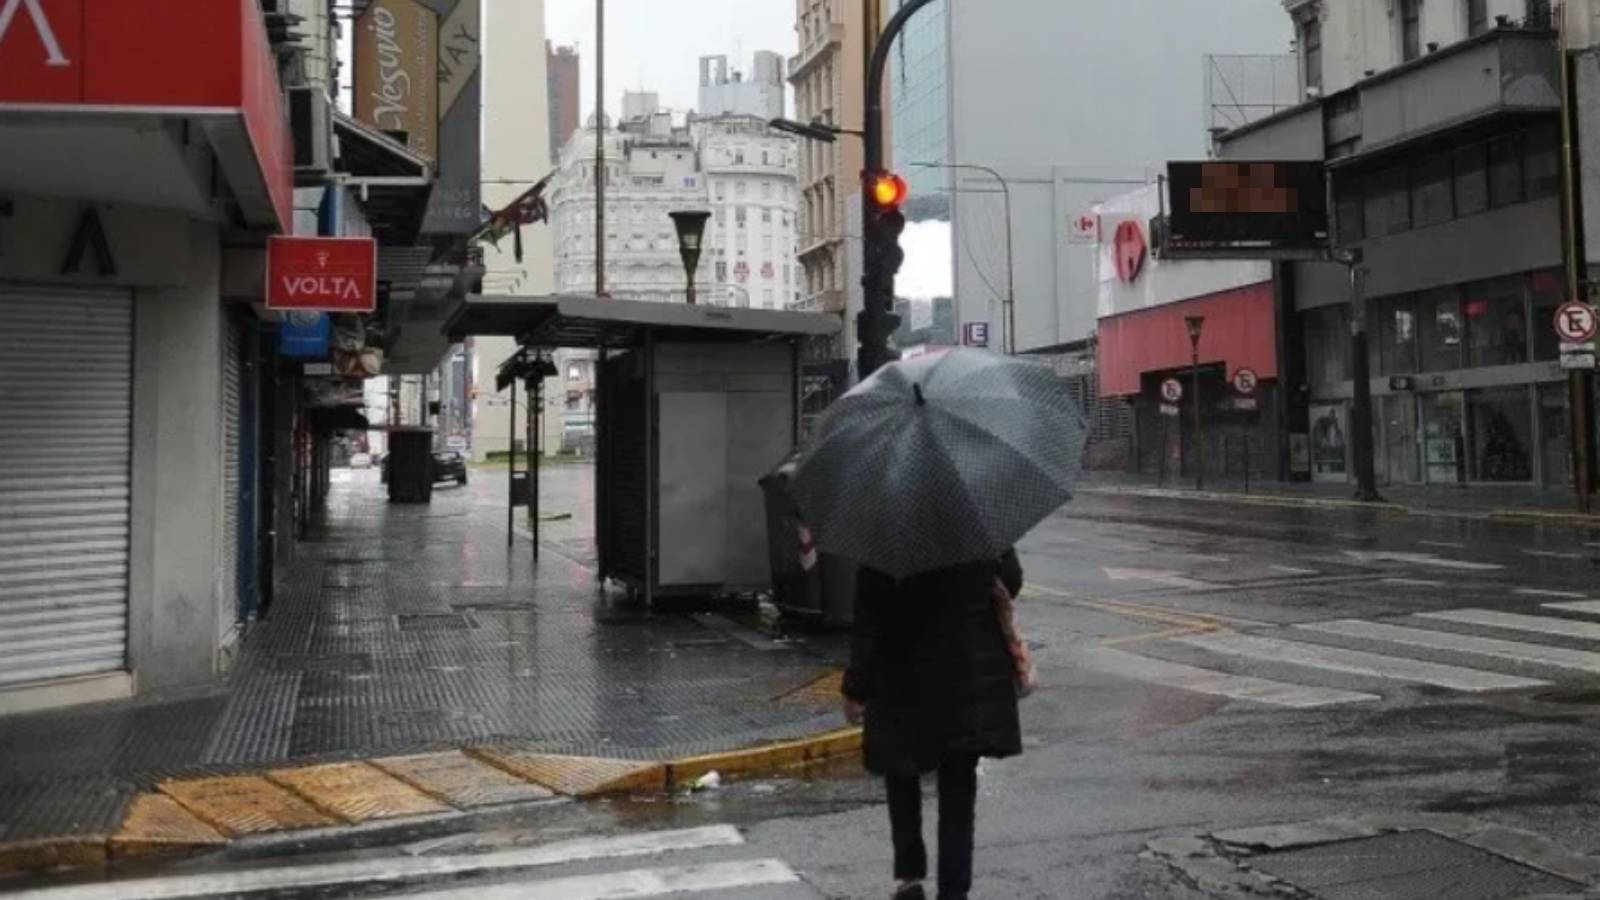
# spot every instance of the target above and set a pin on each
(657, 45)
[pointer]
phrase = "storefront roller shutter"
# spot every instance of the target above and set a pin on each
(232, 390)
(66, 369)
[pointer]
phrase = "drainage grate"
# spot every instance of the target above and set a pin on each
(1411, 865)
(433, 622)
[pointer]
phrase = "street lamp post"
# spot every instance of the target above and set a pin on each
(691, 225)
(1010, 342)
(1196, 324)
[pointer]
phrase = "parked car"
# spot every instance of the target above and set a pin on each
(449, 465)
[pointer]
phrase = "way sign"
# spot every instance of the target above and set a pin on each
(1245, 381)
(1167, 409)
(1576, 322)
(1172, 390)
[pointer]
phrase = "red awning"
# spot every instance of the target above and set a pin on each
(1240, 332)
(76, 73)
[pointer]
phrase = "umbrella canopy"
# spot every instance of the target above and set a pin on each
(939, 460)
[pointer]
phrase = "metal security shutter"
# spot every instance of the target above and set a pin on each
(66, 367)
(232, 390)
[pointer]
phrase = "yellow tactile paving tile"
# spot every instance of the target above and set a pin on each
(818, 691)
(356, 792)
(460, 780)
(156, 825)
(245, 804)
(577, 776)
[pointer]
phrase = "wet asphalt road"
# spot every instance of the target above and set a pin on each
(1156, 742)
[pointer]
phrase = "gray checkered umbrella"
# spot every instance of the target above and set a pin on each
(943, 459)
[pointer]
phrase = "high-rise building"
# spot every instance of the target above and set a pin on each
(828, 74)
(516, 144)
(919, 104)
(562, 66)
(752, 185)
(725, 93)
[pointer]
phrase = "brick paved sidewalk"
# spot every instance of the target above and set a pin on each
(409, 628)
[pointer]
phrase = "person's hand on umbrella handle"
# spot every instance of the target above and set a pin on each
(854, 711)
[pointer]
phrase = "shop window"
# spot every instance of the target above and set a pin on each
(1555, 429)
(1543, 162)
(1505, 170)
(1388, 203)
(1410, 29)
(1395, 337)
(1497, 322)
(1471, 180)
(1431, 191)
(1397, 439)
(1549, 291)
(1311, 52)
(1502, 434)
(1328, 346)
(1439, 330)
(1444, 439)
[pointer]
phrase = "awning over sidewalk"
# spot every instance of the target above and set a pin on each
(569, 321)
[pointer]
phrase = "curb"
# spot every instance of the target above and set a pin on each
(1507, 516)
(190, 816)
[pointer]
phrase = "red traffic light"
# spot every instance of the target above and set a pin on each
(887, 190)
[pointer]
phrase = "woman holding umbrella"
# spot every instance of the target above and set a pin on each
(926, 474)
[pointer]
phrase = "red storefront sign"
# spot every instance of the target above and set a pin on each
(208, 61)
(322, 274)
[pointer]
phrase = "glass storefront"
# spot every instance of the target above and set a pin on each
(1501, 423)
(1555, 432)
(1444, 438)
(1397, 458)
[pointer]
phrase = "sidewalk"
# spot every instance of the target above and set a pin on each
(1471, 502)
(405, 629)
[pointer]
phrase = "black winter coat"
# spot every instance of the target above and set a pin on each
(928, 659)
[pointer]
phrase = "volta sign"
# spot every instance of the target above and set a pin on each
(322, 274)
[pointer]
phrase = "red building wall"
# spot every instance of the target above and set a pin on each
(1240, 332)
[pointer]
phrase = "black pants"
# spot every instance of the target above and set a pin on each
(958, 798)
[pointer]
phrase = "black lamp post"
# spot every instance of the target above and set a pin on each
(1196, 325)
(691, 227)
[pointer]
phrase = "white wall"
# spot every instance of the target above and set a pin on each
(1086, 90)
(1361, 36)
(1161, 281)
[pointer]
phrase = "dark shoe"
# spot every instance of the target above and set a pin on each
(911, 892)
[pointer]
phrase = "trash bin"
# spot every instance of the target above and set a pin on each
(521, 489)
(815, 586)
(410, 465)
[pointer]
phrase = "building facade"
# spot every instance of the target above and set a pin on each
(1455, 207)
(828, 74)
(730, 93)
(562, 66)
(752, 185)
(1083, 109)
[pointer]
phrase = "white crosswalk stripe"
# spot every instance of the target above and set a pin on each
(1554, 625)
(1586, 607)
(1514, 651)
(678, 880)
(1356, 662)
(342, 878)
(1220, 684)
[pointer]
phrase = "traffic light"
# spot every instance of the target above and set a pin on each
(883, 195)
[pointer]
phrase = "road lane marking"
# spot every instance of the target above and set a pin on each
(391, 870)
(1291, 570)
(1421, 559)
(1515, 651)
(1540, 592)
(1167, 579)
(1356, 662)
(1151, 637)
(1451, 545)
(1554, 625)
(1550, 554)
(1202, 557)
(635, 883)
(1413, 582)
(1587, 607)
(1219, 684)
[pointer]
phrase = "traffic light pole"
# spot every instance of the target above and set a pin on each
(872, 327)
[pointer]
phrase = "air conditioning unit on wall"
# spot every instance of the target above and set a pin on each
(311, 120)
